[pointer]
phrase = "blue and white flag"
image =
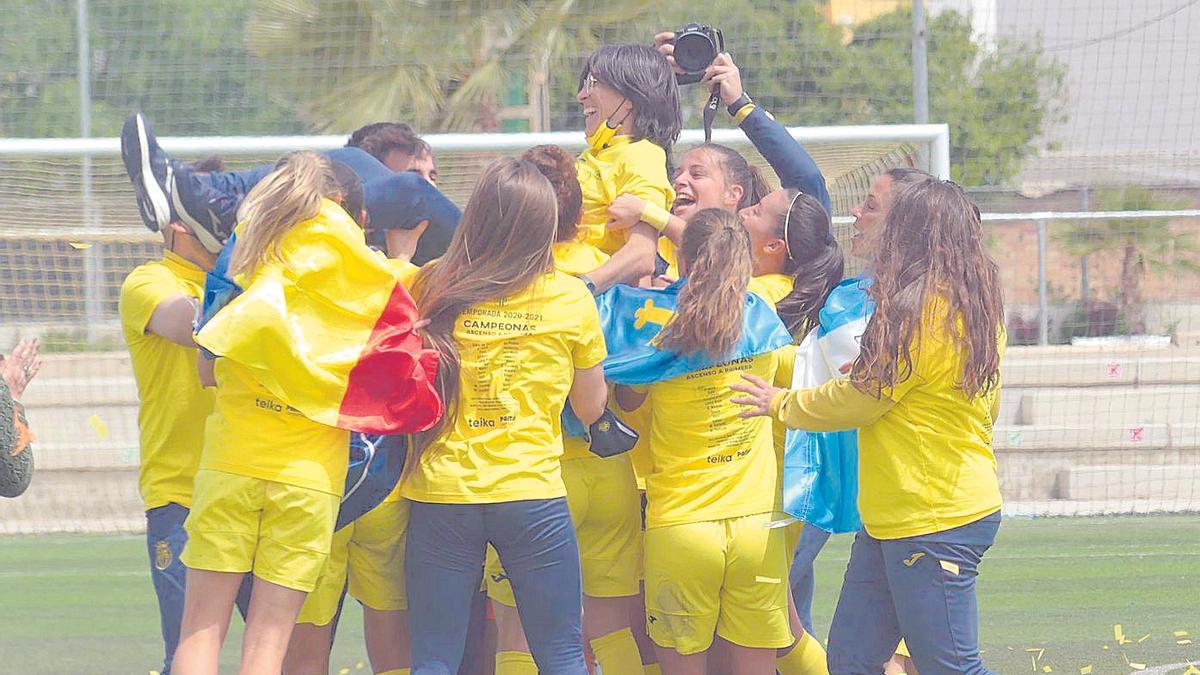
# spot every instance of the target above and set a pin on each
(632, 318)
(820, 469)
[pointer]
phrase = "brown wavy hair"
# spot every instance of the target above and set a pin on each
(708, 318)
(814, 261)
(558, 166)
(501, 246)
(931, 261)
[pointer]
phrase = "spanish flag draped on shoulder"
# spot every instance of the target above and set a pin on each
(326, 326)
(820, 469)
(633, 317)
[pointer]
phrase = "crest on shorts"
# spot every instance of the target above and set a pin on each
(162, 555)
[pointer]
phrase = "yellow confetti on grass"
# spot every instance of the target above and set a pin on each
(1119, 634)
(344, 671)
(360, 665)
(1137, 666)
(1180, 633)
(1143, 638)
(1183, 642)
(1047, 669)
(1086, 670)
(98, 426)
(1192, 670)
(80, 246)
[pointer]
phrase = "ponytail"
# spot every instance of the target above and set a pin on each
(708, 318)
(290, 194)
(737, 171)
(814, 260)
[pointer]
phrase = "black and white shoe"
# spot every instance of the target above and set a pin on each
(149, 169)
(210, 215)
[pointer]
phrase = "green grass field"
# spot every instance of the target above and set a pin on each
(1052, 591)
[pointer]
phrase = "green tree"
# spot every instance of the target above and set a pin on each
(1145, 245)
(444, 65)
(182, 62)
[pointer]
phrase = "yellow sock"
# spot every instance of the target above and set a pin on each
(806, 658)
(515, 663)
(651, 669)
(617, 652)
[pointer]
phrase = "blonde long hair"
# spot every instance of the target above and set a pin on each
(716, 252)
(289, 195)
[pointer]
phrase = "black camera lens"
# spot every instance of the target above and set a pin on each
(694, 51)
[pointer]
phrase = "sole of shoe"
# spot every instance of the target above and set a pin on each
(201, 231)
(154, 192)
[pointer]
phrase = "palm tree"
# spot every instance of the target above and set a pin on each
(437, 63)
(1144, 244)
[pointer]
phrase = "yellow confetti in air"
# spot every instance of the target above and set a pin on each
(1144, 638)
(79, 246)
(98, 426)
(1180, 633)
(1086, 670)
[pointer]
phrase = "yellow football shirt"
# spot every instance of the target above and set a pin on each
(253, 433)
(709, 463)
(174, 405)
(771, 287)
(519, 357)
(925, 460)
(624, 166)
(575, 258)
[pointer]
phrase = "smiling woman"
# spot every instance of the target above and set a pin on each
(631, 110)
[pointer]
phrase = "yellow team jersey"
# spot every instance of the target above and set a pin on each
(708, 463)
(518, 359)
(925, 457)
(575, 258)
(623, 166)
(173, 403)
(771, 287)
(253, 433)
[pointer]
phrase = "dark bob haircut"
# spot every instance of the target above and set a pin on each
(643, 76)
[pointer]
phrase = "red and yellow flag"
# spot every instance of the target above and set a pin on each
(327, 327)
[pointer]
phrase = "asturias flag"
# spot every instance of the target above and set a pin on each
(633, 317)
(327, 327)
(820, 469)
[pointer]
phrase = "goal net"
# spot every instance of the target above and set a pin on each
(70, 232)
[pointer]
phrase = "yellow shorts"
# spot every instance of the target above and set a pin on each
(370, 552)
(727, 576)
(281, 533)
(606, 509)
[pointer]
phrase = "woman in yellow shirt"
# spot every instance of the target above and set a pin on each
(269, 480)
(923, 395)
(602, 492)
(711, 566)
(517, 338)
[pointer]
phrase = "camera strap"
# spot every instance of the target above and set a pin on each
(710, 112)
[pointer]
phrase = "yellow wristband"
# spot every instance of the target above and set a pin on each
(655, 216)
(744, 113)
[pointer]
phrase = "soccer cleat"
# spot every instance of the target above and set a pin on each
(210, 215)
(149, 169)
